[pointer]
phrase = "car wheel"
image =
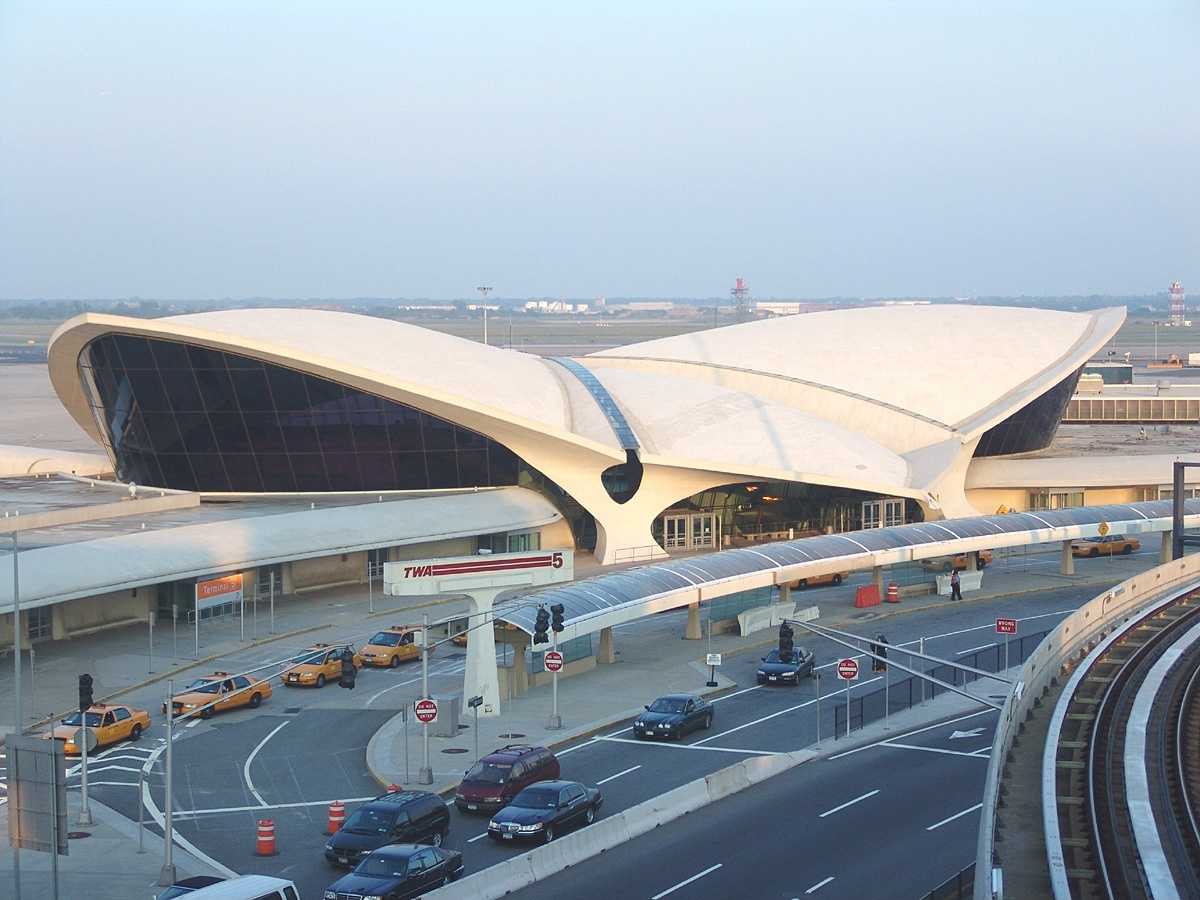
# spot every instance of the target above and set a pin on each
(837, 579)
(437, 838)
(395, 662)
(135, 733)
(255, 700)
(1127, 549)
(548, 834)
(321, 681)
(802, 584)
(1095, 552)
(208, 713)
(707, 722)
(590, 816)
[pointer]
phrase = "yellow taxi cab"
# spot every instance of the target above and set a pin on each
(392, 646)
(316, 665)
(228, 692)
(802, 584)
(459, 639)
(1108, 545)
(958, 561)
(110, 722)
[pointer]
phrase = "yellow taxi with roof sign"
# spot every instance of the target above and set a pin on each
(392, 646)
(316, 665)
(110, 722)
(220, 692)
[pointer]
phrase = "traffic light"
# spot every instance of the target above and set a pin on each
(785, 642)
(879, 648)
(348, 671)
(556, 611)
(540, 626)
(85, 693)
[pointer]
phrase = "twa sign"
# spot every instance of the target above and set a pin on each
(458, 574)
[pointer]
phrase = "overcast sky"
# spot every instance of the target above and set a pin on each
(178, 149)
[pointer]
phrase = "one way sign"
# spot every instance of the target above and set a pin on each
(973, 733)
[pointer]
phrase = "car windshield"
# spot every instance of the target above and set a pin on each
(310, 656)
(204, 687)
(773, 656)
(382, 866)
(537, 798)
(371, 821)
(93, 719)
(385, 639)
(489, 773)
(667, 705)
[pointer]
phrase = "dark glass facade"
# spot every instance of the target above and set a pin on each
(187, 417)
(1032, 427)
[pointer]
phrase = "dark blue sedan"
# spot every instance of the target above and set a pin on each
(673, 716)
(398, 872)
(774, 669)
(544, 810)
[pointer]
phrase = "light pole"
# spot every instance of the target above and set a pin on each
(484, 290)
(425, 776)
(167, 875)
(370, 587)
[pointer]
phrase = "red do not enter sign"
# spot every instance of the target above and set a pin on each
(426, 711)
(553, 661)
(847, 669)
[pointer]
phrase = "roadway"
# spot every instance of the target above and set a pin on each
(306, 747)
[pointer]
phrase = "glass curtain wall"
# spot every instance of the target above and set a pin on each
(1033, 426)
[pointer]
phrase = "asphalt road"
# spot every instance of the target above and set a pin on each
(306, 747)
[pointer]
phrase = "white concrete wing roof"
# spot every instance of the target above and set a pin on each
(86, 568)
(17, 460)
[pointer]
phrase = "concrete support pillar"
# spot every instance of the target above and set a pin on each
(693, 623)
(606, 655)
(973, 561)
(518, 680)
(785, 593)
(481, 677)
(1166, 548)
(877, 578)
(1067, 560)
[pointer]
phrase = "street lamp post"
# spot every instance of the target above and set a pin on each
(167, 875)
(484, 290)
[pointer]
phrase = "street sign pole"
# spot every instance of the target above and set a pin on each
(370, 587)
(555, 722)
(922, 651)
(425, 776)
(887, 700)
(85, 814)
(847, 707)
(817, 679)
(54, 818)
(175, 630)
(167, 875)
(150, 622)
(404, 717)
(475, 703)
(272, 629)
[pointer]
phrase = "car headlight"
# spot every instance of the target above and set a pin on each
(330, 895)
(639, 724)
(329, 845)
(761, 672)
(189, 706)
(372, 897)
(491, 799)
(536, 826)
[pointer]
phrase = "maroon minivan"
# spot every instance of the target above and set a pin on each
(492, 782)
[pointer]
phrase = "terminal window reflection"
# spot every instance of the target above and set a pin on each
(1033, 426)
(193, 418)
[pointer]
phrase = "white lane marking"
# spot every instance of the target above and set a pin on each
(581, 746)
(177, 838)
(92, 784)
(974, 754)
(982, 712)
(618, 775)
(973, 649)
(478, 837)
(769, 716)
(250, 759)
(958, 815)
(686, 881)
(820, 884)
(193, 723)
(93, 770)
(454, 670)
(670, 746)
(197, 813)
(830, 812)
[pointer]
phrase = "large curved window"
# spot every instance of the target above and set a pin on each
(187, 417)
(1033, 426)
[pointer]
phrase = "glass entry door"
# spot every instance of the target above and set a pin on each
(675, 532)
(702, 530)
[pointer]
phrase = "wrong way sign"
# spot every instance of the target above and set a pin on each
(1006, 626)
(426, 711)
(847, 669)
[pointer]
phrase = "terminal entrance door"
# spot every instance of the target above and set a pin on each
(674, 532)
(690, 531)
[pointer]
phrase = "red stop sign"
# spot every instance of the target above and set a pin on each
(847, 669)
(553, 661)
(426, 711)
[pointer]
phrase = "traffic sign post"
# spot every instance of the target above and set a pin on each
(1006, 626)
(712, 660)
(555, 722)
(425, 776)
(817, 678)
(847, 670)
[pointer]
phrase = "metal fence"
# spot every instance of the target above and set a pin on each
(576, 648)
(909, 692)
(956, 887)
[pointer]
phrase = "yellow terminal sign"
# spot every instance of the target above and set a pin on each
(1103, 529)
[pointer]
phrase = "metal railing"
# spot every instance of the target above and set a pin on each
(956, 887)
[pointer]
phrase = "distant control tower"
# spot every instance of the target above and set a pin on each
(1178, 310)
(743, 305)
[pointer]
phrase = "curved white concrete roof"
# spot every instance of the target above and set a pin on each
(60, 572)
(18, 460)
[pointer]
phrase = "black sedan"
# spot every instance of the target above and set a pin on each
(774, 669)
(397, 872)
(673, 716)
(546, 809)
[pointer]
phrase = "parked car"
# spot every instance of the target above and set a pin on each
(397, 817)
(110, 722)
(673, 716)
(392, 646)
(187, 886)
(492, 782)
(1109, 545)
(775, 670)
(316, 665)
(803, 584)
(397, 872)
(958, 561)
(227, 691)
(544, 810)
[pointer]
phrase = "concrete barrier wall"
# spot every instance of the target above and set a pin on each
(760, 618)
(611, 831)
(1072, 638)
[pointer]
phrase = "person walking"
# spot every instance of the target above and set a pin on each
(955, 587)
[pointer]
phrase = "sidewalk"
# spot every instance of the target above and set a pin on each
(103, 862)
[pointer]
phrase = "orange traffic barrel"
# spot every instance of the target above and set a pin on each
(337, 816)
(265, 844)
(893, 592)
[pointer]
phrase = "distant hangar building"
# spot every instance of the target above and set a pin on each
(832, 420)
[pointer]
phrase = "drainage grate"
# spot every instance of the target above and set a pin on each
(291, 710)
(76, 835)
(455, 750)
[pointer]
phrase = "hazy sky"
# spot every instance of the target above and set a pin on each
(180, 149)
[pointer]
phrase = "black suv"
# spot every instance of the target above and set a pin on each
(397, 817)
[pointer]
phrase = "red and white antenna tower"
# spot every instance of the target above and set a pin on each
(1178, 309)
(741, 299)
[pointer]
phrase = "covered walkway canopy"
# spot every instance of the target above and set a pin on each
(606, 600)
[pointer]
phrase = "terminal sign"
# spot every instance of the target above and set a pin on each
(553, 661)
(1006, 626)
(847, 669)
(456, 574)
(426, 711)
